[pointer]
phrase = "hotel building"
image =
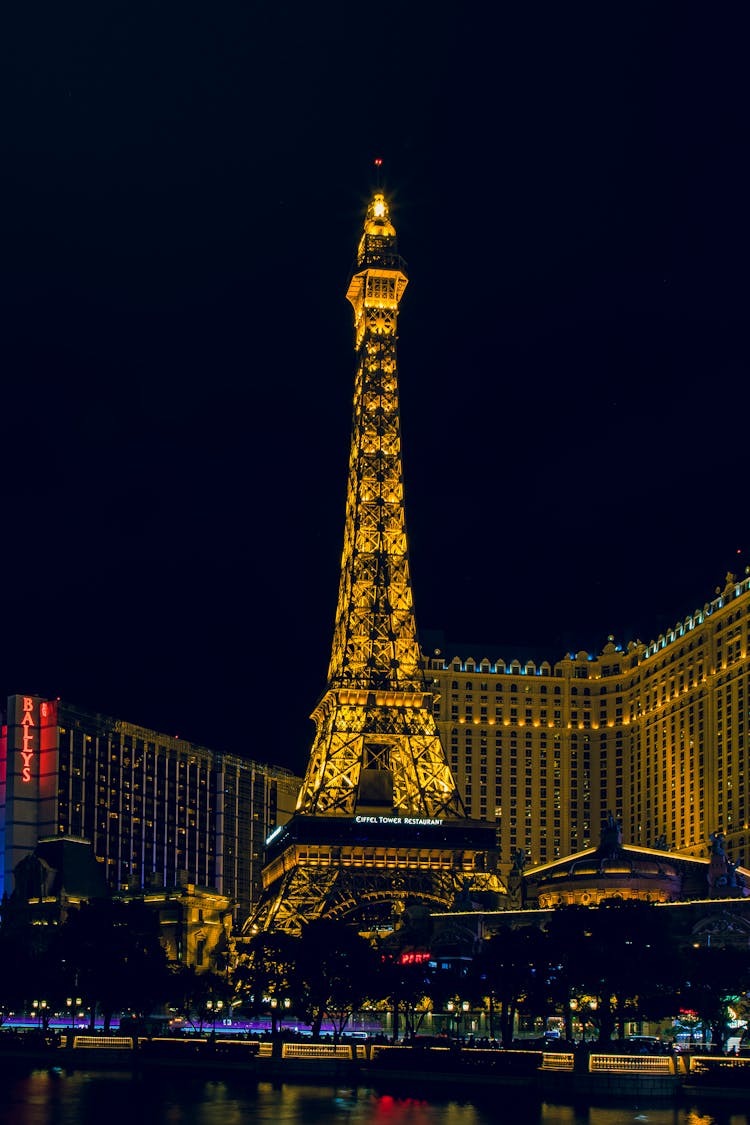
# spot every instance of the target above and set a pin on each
(657, 733)
(159, 811)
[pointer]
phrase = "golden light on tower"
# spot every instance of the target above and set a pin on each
(375, 727)
(379, 820)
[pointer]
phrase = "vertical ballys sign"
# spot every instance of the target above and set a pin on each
(28, 727)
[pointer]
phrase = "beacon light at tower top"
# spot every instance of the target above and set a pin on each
(378, 219)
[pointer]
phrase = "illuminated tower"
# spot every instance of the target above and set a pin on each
(379, 821)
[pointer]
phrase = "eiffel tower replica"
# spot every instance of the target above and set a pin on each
(379, 823)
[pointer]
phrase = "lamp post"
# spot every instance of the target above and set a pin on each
(455, 1010)
(72, 1004)
(40, 1011)
(584, 1007)
(214, 1008)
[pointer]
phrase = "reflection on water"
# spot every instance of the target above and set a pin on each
(55, 1098)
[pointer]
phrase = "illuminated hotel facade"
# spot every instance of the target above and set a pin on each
(158, 811)
(656, 733)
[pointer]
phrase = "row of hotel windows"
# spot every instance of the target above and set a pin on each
(532, 690)
(529, 714)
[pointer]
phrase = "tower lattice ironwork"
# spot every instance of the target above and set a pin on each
(379, 820)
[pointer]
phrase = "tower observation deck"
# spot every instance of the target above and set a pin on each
(379, 822)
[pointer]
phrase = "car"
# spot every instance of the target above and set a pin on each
(643, 1044)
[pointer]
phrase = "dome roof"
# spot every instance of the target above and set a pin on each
(626, 864)
(613, 870)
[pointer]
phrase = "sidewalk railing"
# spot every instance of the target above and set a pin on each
(316, 1051)
(558, 1060)
(631, 1064)
(103, 1042)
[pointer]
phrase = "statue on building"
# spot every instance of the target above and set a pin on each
(611, 838)
(717, 867)
(515, 880)
(723, 876)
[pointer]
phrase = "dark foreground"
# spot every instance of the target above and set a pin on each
(419, 1070)
(55, 1097)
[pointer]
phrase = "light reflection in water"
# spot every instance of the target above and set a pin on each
(82, 1098)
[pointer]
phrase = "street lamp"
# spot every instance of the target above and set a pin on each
(454, 1010)
(214, 1008)
(72, 1003)
(40, 1010)
(584, 1007)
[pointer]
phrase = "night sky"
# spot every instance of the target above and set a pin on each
(186, 185)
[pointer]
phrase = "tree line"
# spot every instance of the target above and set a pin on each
(608, 966)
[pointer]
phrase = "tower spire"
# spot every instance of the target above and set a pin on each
(379, 820)
(375, 723)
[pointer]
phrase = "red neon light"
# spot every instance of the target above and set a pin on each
(413, 958)
(3, 762)
(27, 749)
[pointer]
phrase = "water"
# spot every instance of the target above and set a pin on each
(45, 1097)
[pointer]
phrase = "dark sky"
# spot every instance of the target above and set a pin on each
(186, 184)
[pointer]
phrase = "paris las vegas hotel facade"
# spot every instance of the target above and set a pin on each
(656, 733)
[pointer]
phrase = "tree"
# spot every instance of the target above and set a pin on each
(198, 997)
(113, 958)
(265, 978)
(404, 981)
(611, 959)
(405, 978)
(337, 969)
(512, 965)
(714, 979)
(32, 968)
(613, 962)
